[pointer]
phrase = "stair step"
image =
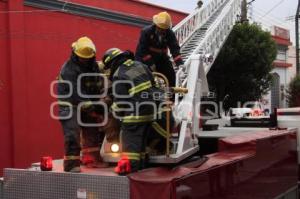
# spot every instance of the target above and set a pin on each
(198, 36)
(185, 54)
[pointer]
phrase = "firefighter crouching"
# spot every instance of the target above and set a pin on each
(133, 104)
(153, 45)
(73, 100)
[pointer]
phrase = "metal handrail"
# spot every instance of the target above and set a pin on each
(195, 20)
(168, 112)
(214, 38)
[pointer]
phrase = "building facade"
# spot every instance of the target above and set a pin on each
(292, 59)
(284, 66)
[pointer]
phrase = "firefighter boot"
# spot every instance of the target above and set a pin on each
(72, 166)
(144, 161)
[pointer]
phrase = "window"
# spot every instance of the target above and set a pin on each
(281, 55)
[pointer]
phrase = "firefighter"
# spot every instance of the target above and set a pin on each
(199, 4)
(153, 45)
(133, 105)
(81, 61)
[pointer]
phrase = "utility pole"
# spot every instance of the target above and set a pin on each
(250, 8)
(297, 38)
(244, 11)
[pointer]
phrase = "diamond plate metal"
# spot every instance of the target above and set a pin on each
(23, 184)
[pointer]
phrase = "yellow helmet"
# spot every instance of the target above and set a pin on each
(84, 48)
(162, 20)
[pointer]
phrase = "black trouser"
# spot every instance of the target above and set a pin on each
(133, 139)
(71, 131)
(164, 66)
(156, 140)
(91, 137)
(91, 141)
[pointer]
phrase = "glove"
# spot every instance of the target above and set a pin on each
(179, 62)
(152, 68)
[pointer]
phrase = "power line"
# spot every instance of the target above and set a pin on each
(273, 8)
(269, 15)
(264, 25)
(249, 3)
(270, 19)
(267, 20)
(290, 18)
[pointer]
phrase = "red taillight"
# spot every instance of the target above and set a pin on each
(256, 112)
(46, 163)
(123, 167)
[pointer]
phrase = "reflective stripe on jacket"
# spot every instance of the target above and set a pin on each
(141, 81)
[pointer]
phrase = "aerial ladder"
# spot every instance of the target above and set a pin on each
(201, 35)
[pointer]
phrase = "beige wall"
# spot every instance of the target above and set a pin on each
(292, 60)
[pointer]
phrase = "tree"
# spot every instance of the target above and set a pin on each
(293, 92)
(242, 68)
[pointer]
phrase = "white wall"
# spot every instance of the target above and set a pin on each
(283, 73)
(292, 60)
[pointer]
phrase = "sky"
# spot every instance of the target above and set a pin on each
(265, 12)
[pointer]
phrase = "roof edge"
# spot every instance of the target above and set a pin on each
(89, 11)
(159, 6)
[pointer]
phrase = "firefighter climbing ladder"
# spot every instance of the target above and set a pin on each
(201, 35)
